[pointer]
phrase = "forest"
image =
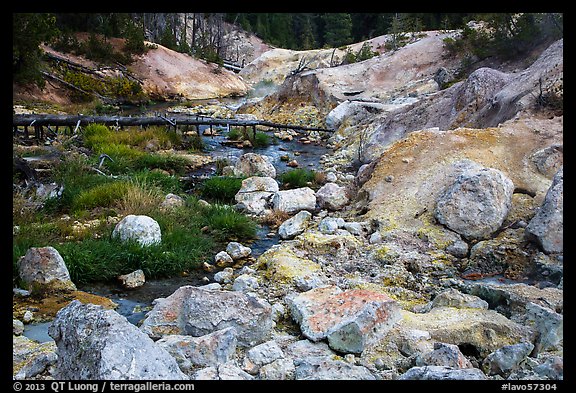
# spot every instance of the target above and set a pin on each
(202, 34)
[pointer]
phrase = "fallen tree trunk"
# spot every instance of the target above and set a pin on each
(83, 120)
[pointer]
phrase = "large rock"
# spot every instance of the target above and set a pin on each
(477, 203)
(255, 194)
(453, 298)
(284, 267)
(145, 230)
(30, 358)
(261, 355)
(196, 312)
(504, 360)
(133, 280)
(94, 343)
(448, 355)
(292, 201)
(483, 330)
(423, 165)
(351, 113)
(331, 196)
(350, 320)
(443, 373)
(225, 371)
(295, 225)
(237, 250)
(326, 367)
(208, 350)
(252, 164)
(547, 226)
(43, 269)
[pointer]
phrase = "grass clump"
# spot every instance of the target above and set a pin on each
(297, 178)
(225, 223)
(221, 188)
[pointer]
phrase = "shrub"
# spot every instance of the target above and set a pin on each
(297, 178)
(221, 188)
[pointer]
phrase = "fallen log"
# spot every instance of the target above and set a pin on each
(83, 120)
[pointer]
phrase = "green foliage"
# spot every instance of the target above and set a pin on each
(296, 178)
(102, 195)
(134, 39)
(168, 162)
(506, 35)
(235, 134)
(167, 183)
(365, 52)
(29, 30)
(116, 87)
(261, 139)
(225, 223)
(338, 29)
(221, 188)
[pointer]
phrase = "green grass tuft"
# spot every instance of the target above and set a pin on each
(297, 178)
(221, 188)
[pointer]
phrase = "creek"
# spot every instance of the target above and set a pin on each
(134, 304)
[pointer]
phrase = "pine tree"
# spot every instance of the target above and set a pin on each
(338, 29)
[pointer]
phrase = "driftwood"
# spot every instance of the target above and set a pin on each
(83, 120)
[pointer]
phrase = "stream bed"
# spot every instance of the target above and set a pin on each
(135, 303)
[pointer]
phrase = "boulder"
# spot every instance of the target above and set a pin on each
(326, 367)
(328, 225)
(245, 282)
(172, 201)
(145, 230)
(196, 312)
(132, 280)
(225, 371)
(43, 269)
(295, 225)
(477, 203)
(238, 251)
(284, 267)
(255, 203)
(547, 226)
(448, 355)
(223, 259)
(95, 344)
(349, 320)
(504, 360)
(352, 112)
(454, 298)
(224, 276)
(208, 350)
(30, 358)
(261, 355)
(252, 164)
(443, 373)
(549, 326)
(332, 196)
(483, 330)
(259, 183)
(292, 201)
(279, 369)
